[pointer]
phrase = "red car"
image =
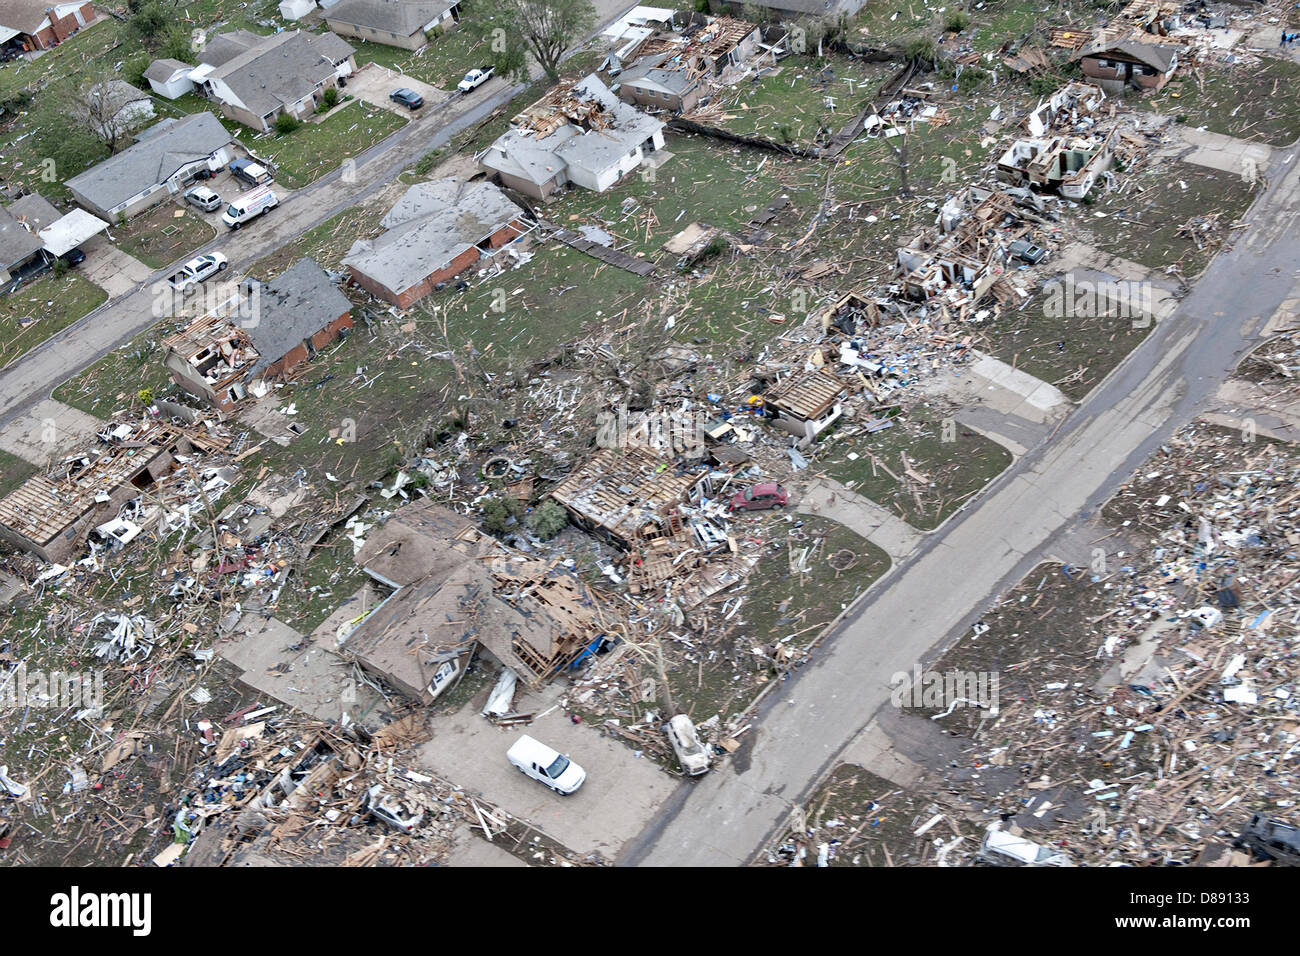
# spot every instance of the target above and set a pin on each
(767, 494)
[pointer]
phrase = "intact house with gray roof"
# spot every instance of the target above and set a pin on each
(583, 135)
(399, 23)
(259, 339)
(257, 78)
(21, 249)
(33, 233)
(163, 162)
(435, 231)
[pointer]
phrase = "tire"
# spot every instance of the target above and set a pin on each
(236, 226)
(777, 507)
(222, 266)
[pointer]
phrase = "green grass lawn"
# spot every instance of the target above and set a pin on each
(1144, 226)
(442, 63)
(956, 469)
(114, 382)
(779, 604)
(68, 59)
(13, 472)
(314, 149)
(159, 237)
(39, 309)
(1031, 341)
(1257, 102)
(790, 104)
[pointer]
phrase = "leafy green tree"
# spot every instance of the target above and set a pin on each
(541, 29)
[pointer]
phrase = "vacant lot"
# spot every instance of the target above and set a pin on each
(812, 568)
(805, 100)
(1255, 101)
(164, 234)
(1072, 352)
(956, 461)
(41, 308)
(1158, 219)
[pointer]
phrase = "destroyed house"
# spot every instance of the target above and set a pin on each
(458, 590)
(436, 231)
(1069, 109)
(1115, 64)
(627, 494)
(1069, 165)
(806, 403)
(672, 68)
(50, 515)
(583, 135)
(964, 252)
(260, 337)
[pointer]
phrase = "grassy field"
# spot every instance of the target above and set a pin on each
(41, 308)
(1072, 352)
(314, 149)
(956, 469)
(113, 383)
(164, 234)
(1256, 102)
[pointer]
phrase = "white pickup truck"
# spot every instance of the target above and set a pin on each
(475, 78)
(199, 269)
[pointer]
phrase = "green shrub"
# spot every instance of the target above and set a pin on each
(548, 520)
(919, 48)
(497, 513)
(971, 78)
(956, 21)
(286, 124)
(330, 98)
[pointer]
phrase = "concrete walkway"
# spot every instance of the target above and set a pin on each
(884, 529)
(47, 430)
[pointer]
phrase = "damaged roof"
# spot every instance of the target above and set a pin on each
(293, 307)
(430, 226)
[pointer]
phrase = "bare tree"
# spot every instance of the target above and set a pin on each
(100, 104)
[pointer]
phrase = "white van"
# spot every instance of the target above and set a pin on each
(691, 754)
(249, 206)
(546, 765)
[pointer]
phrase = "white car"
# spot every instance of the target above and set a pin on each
(197, 270)
(550, 767)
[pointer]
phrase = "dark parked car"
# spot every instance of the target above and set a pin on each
(408, 98)
(767, 494)
(1026, 251)
(73, 257)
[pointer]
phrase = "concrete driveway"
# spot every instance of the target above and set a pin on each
(373, 83)
(622, 794)
(113, 270)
